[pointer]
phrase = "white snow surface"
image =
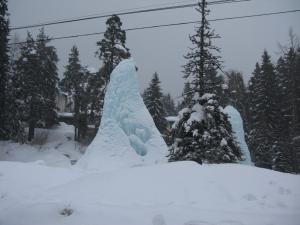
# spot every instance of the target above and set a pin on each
(127, 136)
(182, 193)
(236, 122)
(36, 190)
(52, 147)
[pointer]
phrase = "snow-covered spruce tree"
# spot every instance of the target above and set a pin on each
(214, 83)
(203, 132)
(153, 101)
(287, 156)
(48, 74)
(74, 83)
(263, 94)
(169, 105)
(111, 51)
(4, 61)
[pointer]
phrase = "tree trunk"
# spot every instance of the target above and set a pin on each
(31, 130)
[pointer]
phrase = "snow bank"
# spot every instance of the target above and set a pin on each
(236, 122)
(127, 135)
(52, 147)
(181, 193)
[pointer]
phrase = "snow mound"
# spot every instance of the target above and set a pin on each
(236, 122)
(127, 135)
(178, 193)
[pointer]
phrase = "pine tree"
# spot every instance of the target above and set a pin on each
(74, 83)
(96, 90)
(263, 99)
(4, 62)
(169, 105)
(27, 82)
(14, 124)
(153, 101)
(203, 132)
(48, 77)
(287, 157)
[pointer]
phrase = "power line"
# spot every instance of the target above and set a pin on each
(172, 24)
(125, 13)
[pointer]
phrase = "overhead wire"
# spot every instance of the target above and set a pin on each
(124, 13)
(172, 24)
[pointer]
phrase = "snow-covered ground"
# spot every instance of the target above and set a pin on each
(54, 147)
(182, 193)
(124, 177)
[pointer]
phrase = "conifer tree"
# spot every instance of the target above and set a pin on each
(169, 105)
(203, 132)
(263, 108)
(153, 101)
(74, 83)
(4, 62)
(48, 74)
(287, 156)
(96, 90)
(27, 82)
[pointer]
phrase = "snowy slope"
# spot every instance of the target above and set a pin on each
(52, 147)
(182, 193)
(127, 135)
(236, 122)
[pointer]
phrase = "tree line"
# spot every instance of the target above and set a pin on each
(269, 105)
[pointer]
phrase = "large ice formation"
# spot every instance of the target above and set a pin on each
(127, 135)
(237, 126)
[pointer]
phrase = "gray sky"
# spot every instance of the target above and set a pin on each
(242, 41)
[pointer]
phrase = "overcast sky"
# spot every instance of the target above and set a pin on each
(242, 41)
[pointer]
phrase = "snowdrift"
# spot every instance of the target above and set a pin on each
(236, 122)
(181, 193)
(127, 135)
(52, 147)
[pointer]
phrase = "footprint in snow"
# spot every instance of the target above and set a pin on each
(158, 220)
(284, 191)
(198, 222)
(250, 197)
(230, 222)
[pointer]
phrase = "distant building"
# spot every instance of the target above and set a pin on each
(64, 102)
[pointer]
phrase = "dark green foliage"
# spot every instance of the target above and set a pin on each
(169, 105)
(153, 100)
(203, 132)
(47, 59)
(35, 82)
(263, 109)
(74, 83)
(286, 158)
(4, 62)
(96, 90)
(207, 139)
